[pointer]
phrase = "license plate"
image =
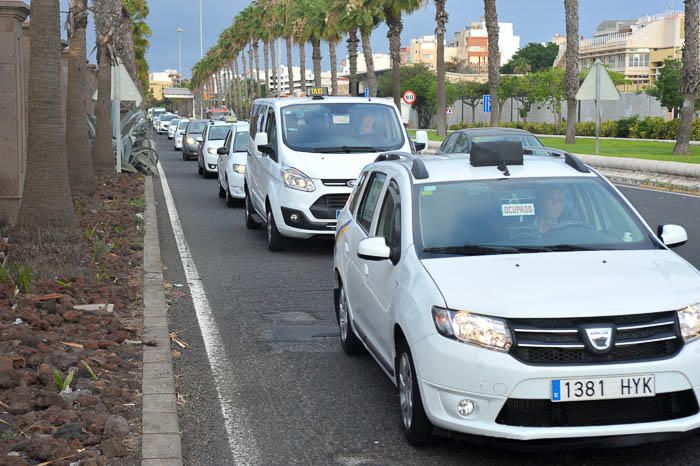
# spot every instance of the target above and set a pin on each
(603, 388)
(337, 213)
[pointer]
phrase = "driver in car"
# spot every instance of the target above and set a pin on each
(550, 206)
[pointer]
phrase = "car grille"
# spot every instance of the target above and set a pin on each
(337, 182)
(325, 206)
(560, 341)
(545, 413)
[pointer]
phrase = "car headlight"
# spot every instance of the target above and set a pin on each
(689, 319)
(211, 150)
(238, 168)
(190, 140)
(296, 179)
(475, 329)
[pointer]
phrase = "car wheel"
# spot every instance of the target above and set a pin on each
(250, 221)
(416, 426)
(199, 169)
(348, 340)
(275, 240)
(184, 156)
(222, 191)
(230, 201)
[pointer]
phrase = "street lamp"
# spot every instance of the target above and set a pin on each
(179, 51)
(201, 32)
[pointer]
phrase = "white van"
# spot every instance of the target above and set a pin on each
(305, 154)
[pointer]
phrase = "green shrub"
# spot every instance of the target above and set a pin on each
(585, 128)
(624, 126)
(608, 129)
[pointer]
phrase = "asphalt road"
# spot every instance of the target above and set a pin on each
(306, 402)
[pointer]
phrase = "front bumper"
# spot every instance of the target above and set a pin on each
(490, 379)
(190, 150)
(235, 184)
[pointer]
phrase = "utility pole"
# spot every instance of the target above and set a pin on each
(201, 32)
(179, 51)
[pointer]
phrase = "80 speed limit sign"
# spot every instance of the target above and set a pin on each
(409, 97)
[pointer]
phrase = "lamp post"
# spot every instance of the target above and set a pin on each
(201, 32)
(179, 51)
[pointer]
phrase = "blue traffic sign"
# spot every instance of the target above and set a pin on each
(366, 92)
(487, 103)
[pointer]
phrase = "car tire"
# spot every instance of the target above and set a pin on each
(222, 191)
(414, 422)
(348, 339)
(275, 240)
(230, 201)
(184, 155)
(250, 221)
(199, 169)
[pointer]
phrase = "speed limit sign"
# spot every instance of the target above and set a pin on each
(409, 97)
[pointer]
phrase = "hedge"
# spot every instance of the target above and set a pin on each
(632, 127)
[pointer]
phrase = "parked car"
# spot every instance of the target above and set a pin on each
(231, 164)
(212, 138)
(164, 122)
(179, 133)
(190, 145)
(460, 141)
(521, 298)
(173, 127)
(304, 156)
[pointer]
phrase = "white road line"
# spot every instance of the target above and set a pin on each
(658, 191)
(241, 441)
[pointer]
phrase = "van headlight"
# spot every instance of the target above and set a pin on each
(689, 320)
(475, 329)
(239, 168)
(296, 179)
(211, 150)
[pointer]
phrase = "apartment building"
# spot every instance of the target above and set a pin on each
(424, 50)
(472, 45)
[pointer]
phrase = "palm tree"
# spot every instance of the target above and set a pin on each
(331, 33)
(441, 18)
(393, 10)
(315, 30)
(300, 37)
(352, 58)
(491, 19)
(571, 81)
(80, 171)
(287, 33)
(690, 77)
(46, 232)
(365, 15)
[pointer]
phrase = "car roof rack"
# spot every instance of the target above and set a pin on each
(570, 159)
(418, 169)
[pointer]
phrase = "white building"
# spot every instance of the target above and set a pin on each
(382, 61)
(472, 44)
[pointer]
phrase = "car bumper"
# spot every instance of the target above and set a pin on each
(190, 150)
(178, 143)
(490, 379)
(235, 184)
(305, 206)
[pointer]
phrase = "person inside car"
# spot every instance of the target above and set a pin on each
(550, 206)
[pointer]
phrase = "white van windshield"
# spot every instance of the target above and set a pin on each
(341, 128)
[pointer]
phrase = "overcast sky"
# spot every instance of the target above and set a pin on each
(534, 21)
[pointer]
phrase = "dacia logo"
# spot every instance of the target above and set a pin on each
(600, 338)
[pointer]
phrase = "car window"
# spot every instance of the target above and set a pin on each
(389, 223)
(257, 118)
(227, 142)
(241, 142)
(196, 127)
(355, 195)
(370, 199)
(271, 128)
(448, 143)
(527, 140)
(217, 132)
(461, 144)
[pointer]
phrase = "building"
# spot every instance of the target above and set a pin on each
(284, 79)
(424, 50)
(159, 80)
(635, 48)
(473, 45)
(382, 61)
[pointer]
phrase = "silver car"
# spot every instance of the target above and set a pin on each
(211, 139)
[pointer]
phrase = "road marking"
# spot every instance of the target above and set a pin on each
(240, 439)
(658, 190)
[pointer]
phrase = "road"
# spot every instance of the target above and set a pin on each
(294, 397)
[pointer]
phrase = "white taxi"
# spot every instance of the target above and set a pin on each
(232, 163)
(521, 298)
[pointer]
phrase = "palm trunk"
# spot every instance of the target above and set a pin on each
(275, 70)
(103, 157)
(266, 54)
(316, 58)
(441, 20)
(302, 66)
(690, 76)
(246, 90)
(47, 238)
(352, 57)
(125, 45)
(251, 83)
(288, 41)
(256, 57)
(237, 90)
(491, 19)
(571, 79)
(334, 65)
(80, 171)
(369, 61)
(395, 24)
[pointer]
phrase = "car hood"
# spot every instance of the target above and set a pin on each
(332, 166)
(566, 284)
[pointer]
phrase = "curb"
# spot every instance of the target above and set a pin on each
(160, 441)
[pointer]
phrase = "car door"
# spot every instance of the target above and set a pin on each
(356, 284)
(257, 124)
(381, 278)
(221, 163)
(268, 172)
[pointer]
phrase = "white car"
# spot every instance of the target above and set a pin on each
(164, 122)
(172, 127)
(231, 164)
(521, 301)
(179, 133)
(304, 156)
(213, 137)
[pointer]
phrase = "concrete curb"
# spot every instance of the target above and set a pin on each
(160, 442)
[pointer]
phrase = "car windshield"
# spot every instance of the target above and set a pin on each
(525, 215)
(197, 127)
(527, 140)
(241, 143)
(218, 132)
(182, 125)
(341, 128)
(173, 123)
(167, 117)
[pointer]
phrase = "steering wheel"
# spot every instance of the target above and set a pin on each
(560, 227)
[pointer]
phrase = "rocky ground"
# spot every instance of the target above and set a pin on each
(70, 374)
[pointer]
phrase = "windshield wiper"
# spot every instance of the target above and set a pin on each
(473, 250)
(345, 149)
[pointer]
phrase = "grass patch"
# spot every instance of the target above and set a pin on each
(432, 135)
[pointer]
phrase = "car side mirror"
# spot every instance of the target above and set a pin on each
(373, 249)
(199, 139)
(261, 141)
(221, 151)
(672, 235)
(421, 141)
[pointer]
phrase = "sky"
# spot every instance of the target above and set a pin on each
(534, 21)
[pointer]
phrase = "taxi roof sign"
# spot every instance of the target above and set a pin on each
(318, 91)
